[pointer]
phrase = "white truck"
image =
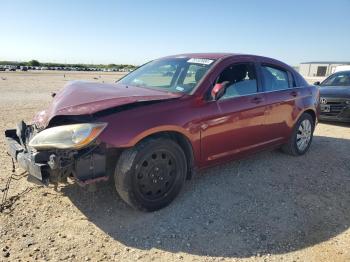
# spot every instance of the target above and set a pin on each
(342, 68)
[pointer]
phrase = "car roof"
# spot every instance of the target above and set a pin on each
(217, 56)
(203, 55)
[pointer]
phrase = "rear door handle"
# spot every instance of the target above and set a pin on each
(257, 99)
(294, 93)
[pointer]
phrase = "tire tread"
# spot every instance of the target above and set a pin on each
(290, 147)
(124, 169)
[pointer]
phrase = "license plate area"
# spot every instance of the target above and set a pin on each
(325, 108)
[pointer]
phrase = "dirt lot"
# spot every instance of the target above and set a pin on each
(269, 207)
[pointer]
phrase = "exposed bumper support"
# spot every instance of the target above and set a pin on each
(26, 160)
(86, 165)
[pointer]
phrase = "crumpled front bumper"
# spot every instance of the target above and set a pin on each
(86, 166)
(29, 161)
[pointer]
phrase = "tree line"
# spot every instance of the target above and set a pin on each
(37, 63)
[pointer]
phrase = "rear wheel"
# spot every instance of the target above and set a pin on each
(150, 175)
(301, 137)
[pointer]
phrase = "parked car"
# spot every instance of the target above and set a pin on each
(342, 68)
(150, 132)
(335, 97)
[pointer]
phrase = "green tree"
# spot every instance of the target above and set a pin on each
(33, 63)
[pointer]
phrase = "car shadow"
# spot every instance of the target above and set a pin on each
(271, 203)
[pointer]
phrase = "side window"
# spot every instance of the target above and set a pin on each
(240, 80)
(275, 79)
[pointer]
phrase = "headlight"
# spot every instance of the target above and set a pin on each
(74, 136)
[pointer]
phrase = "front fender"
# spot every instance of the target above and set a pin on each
(126, 128)
(120, 138)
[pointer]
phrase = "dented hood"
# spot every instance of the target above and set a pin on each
(84, 98)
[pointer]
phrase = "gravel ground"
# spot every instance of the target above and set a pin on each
(269, 207)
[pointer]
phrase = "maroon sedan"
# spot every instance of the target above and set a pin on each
(154, 127)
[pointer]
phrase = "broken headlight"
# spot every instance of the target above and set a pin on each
(74, 136)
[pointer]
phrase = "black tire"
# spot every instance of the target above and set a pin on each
(150, 175)
(291, 147)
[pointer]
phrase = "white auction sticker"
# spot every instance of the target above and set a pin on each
(179, 88)
(202, 61)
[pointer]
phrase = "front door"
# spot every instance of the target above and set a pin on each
(233, 125)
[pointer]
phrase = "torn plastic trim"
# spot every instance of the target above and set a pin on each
(54, 166)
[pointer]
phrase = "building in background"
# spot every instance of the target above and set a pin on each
(319, 69)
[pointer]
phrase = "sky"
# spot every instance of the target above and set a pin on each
(135, 31)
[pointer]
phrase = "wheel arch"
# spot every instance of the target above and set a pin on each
(312, 113)
(180, 139)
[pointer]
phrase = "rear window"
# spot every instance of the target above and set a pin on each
(275, 78)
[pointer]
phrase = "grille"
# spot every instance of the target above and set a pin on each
(336, 105)
(337, 108)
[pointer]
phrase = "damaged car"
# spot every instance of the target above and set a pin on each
(152, 129)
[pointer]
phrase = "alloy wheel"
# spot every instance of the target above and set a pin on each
(304, 134)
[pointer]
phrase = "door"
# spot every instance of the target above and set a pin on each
(233, 124)
(321, 71)
(280, 94)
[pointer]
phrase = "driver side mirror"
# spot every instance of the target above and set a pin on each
(317, 83)
(218, 90)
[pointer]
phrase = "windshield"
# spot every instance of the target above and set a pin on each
(338, 79)
(169, 74)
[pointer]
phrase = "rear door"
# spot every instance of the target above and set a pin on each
(281, 95)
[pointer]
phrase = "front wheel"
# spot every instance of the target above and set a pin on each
(150, 175)
(301, 137)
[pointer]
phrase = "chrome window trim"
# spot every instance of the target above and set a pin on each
(290, 88)
(262, 92)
